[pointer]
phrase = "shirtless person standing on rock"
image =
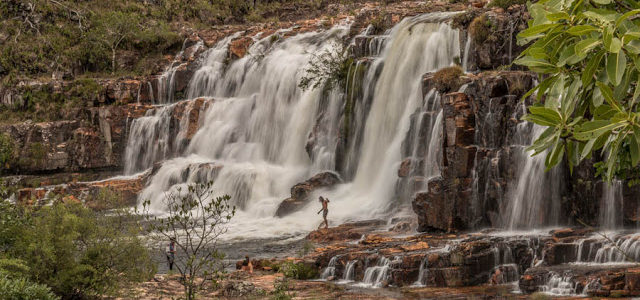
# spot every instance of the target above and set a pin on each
(325, 211)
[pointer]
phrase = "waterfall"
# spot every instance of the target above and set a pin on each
(558, 285)
(252, 136)
(534, 197)
(376, 275)
(330, 270)
(148, 139)
(467, 49)
(350, 271)
(611, 205)
(423, 273)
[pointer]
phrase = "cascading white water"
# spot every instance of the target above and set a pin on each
(350, 271)
(375, 276)
(534, 199)
(611, 205)
(253, 135)
(330, 270)
(558, 285)
(148, 139)
(166, 81)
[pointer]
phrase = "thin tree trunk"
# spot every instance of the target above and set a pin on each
(113, 60)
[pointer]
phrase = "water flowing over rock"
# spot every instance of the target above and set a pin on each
(260, 130)
(300, 193)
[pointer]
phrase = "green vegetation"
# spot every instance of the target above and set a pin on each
(298, 270)
(73, 251)
(588, 55)
(480, 29)
(23, 289)
(195, 220)
(282, 289)
(328, 69)
(6, 151)
(504, 4)
(43, 103)
(447, 79)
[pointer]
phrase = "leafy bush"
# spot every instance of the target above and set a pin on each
(13, 268)
(78, 253)
(588, 54)
(6, 151)
(22, 289)
(299, 271)
(480, 29)
(282, 290)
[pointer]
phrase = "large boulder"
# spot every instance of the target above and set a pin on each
(301, 191)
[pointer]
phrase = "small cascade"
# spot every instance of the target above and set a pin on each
(376, 275)
(558, 285)
(350, 271)
(534, 196)
(611, 205)
(166, 82)
(623, 249)
(505, 268)
(330, 270)
(161, 134)
(423, 273)
(207, 79)
(467, 49)
(615, 249)
(148, 139)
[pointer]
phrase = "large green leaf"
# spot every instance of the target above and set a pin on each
(581, 30)
(556, 153)
(592, 66)
(626, 16)
(636, 94)
(616, 65)
(584, 46)
(547, 113)
(594, 129)
(608, 95)
(535, 30)
(634, 149)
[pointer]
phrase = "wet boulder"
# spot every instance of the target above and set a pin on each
(300, 192)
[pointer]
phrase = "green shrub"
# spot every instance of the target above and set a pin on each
(22, 289)
(80, 253)
(480, 29)
(282, 290)
(6, 151)
(504, 4)
(299, 271)
(13, 268)
(447, 79)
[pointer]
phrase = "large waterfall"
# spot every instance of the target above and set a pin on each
(252, 137)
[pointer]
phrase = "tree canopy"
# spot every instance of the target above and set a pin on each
(588, 55)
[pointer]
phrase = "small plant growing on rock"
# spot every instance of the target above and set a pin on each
(195, 220)
(447, 79)
(330, 68)
(480, 29)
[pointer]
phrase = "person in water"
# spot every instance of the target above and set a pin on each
(247, 265)
(171, 253)
(325, 211)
